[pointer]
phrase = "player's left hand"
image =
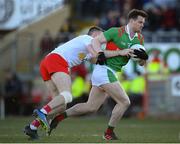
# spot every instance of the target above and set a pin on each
(126, 52)
(141, 54)
(101, 59)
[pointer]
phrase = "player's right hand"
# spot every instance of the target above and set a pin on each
(141, 54)
(101, 59)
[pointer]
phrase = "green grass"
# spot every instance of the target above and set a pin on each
(90, 129)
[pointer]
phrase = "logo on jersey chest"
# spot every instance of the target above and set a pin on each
(81, 56)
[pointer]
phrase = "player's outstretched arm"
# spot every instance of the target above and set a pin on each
(92, 53)
(124, 52)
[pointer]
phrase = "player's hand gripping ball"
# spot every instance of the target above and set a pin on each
(139, 52)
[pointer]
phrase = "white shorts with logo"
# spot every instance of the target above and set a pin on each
(103, 75)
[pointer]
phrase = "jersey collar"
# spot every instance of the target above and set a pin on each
(128, 32)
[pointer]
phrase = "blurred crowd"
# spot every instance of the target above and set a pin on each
(163, 14)
(48, 42)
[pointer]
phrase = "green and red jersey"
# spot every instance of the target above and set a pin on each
(118, 39)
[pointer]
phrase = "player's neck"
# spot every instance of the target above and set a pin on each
(130, 29)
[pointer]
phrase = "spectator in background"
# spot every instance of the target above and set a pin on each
(65, 33)
(12, 93)
(136, 92)
(154, 16)
(161, 14)
(177, 9)
(122, 20)
(156, 67)
(168, 18)
(61, 37)
(46, 44)
(110, 20)
(125, 82)
(127, 6)
(168, 3)
(111, 4)
(39, 92)
(155, 64)
(88, 8)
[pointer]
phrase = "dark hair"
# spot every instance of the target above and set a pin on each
(93, 29)
(134, 13)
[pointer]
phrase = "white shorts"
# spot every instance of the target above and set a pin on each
(103, 75)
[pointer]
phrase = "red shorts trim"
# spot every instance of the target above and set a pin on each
(52, 63)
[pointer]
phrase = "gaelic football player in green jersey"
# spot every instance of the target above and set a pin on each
(104, 80)
(123, 37)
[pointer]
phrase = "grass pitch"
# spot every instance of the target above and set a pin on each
(90, 130)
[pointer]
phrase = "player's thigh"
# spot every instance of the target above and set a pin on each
(62, 81)
(97, 97)
(116, 91)
(52, 88)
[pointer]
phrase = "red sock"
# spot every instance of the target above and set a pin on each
(46, 109)
(36, 123)
(61, 117)
(109, 130)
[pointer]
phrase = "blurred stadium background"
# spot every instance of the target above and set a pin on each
(31, 29)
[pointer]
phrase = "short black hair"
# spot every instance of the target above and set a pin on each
(93, 29)
(134, 13)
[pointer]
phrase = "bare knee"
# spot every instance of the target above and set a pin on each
(125, 102)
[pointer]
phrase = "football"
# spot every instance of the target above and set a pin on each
(137, 47)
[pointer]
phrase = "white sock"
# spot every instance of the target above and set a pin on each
(33, 127)
(43, 111)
